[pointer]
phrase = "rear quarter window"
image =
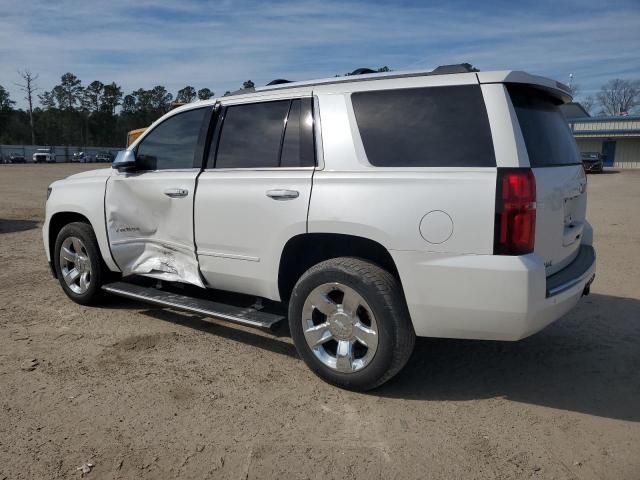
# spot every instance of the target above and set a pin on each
(545, 130)
(425, 127)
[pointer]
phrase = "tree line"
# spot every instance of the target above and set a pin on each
(97, 114)
(100, 114)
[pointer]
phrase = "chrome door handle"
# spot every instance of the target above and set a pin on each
(283, 194)
(176, 192)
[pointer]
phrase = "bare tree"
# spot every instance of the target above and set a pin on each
(575, 90)
(619, 96)
(588, 103)
(29, 87)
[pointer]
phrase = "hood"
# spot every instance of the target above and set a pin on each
(84, 176)
(100, 172)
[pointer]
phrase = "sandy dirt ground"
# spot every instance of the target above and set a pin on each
(142, 392)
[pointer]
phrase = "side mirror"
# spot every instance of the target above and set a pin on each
(125, 161)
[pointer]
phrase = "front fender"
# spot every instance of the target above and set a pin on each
(83, 196)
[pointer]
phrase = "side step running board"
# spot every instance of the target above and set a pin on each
(243, 315)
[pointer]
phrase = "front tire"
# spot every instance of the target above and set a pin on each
(78, 263)
(350, 323)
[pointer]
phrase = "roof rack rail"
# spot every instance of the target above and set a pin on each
(362, 71)
(455, 68)
(240, 92)
(365, 74)
(278, 81)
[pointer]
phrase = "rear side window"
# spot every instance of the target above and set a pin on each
(545, 130)
(172, 144)
(425, 127)
(267, 135)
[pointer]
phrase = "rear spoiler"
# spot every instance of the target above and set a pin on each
(552, 87)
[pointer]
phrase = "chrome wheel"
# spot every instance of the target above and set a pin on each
(339, 327)
(75, 265)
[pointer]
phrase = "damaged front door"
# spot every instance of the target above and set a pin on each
(149, 211)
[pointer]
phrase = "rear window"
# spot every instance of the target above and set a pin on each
(545, 130)
(425, 127)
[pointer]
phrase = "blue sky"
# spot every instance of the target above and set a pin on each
(219, 44)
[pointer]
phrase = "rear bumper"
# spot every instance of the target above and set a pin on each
(489, 297)
(576, 273)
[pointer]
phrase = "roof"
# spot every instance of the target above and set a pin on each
(605, 126)
(553, 87)
(607, 118)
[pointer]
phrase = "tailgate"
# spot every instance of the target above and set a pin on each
(560, 214)
(561, 199)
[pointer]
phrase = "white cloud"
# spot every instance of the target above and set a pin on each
(219, 45)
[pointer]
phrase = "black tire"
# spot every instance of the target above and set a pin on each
(99, 272)
(382, 292)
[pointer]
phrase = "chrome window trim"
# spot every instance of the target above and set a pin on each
(265, 169)
(317, 134)
(137, 172)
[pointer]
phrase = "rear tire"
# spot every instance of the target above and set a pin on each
(350, 323)
(78, 263)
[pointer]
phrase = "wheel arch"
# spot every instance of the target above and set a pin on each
(303, 251)
(56, 223)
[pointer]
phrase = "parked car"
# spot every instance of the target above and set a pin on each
(79, 157)
(104, 157)
(367, 210)
(43, 155)
(14, 158)
(593, 162)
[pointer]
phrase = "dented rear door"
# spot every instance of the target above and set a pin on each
(149, 212)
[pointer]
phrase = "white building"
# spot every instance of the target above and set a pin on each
(616, 138)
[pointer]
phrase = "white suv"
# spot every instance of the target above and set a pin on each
(44, 155)
(367, 209)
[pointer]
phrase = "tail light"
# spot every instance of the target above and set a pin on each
(584, 174)
(515, 227)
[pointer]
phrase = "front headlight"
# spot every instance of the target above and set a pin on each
(48, 192)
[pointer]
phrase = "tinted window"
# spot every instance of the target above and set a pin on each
(297, 148)
(251, 135)
(425, 127)
(172, 144)
(544, 128)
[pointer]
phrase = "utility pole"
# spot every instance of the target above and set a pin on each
(29, 88)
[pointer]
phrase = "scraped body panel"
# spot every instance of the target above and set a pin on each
(151, 232)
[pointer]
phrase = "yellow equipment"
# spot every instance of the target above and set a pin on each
(133, 134)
